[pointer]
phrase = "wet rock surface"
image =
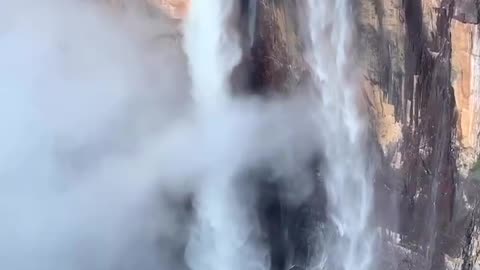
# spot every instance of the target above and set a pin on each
(421, 90)
(420, 63)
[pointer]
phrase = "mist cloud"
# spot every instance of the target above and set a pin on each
(104, 158)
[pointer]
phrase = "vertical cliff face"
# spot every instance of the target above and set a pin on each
(465, 80)
(421, 85)
(421, 80)
(400, 37)
(275, 52)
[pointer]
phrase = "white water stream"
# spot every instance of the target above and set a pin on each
(347, 175)
(220, 236)
(210, 47)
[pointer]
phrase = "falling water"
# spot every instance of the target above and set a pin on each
(212, 51)
(220, 236)
(219, 240)
(347, 176)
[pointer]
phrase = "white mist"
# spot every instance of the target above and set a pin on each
(96, 145)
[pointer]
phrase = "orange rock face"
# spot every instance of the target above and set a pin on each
(465, 80)
(390, 25)
(177, 9)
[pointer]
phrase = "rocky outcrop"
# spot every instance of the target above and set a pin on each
(401, 37)
(465, 81)
(276, 49)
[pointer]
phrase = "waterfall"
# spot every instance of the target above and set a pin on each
(212, 51)
(347, 175)
(219, 238)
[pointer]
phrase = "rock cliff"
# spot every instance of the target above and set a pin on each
(421, 73)
(421, 80)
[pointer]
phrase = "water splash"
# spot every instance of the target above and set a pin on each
(347, 174)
